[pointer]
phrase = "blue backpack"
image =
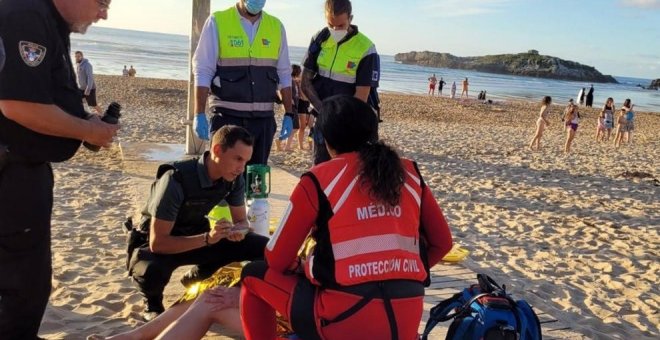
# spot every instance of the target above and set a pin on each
(485, 311)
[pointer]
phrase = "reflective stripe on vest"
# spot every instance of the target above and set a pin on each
(246, 73)
(340, 62)
(369, 241)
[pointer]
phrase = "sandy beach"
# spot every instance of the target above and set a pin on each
(578, 233)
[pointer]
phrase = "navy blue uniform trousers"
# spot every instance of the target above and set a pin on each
(26, 201)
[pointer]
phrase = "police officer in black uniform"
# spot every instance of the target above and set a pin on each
(42, 120)
(2, 54)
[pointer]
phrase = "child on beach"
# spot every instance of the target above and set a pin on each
(541, 123)
(620, 127)
(608, 111)
(600, 127)
(630, 123)
(453, 90)
(571, 120)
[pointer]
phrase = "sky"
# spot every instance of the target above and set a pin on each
(617, 37)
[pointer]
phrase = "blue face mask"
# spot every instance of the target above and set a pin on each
(254, 6)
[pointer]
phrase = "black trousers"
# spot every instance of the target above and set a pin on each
(26, 201)
(262, 129)
(153, 271)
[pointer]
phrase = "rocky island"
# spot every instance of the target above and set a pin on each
(529, 64)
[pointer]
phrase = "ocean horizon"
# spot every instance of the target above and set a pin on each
(164, 55)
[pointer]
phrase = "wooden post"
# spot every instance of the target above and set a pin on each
(201, 11)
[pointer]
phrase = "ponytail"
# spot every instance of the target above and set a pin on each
(382, 172)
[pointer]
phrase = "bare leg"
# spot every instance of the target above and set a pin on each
(569, 139)
(289, 141)
(152, 328)
(197, 320)
(537, 137)
(302, 119)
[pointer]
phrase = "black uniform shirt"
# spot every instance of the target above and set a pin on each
(2, 54)
(37, 69)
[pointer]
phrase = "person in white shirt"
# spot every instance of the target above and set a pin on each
(241, 60)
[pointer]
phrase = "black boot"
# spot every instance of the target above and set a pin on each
(154, 307)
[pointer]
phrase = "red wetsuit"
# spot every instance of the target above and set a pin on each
(314, 309)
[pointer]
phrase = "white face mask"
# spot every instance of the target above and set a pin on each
(338, 35)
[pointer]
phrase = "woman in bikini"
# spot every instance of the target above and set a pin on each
(571, 120)
(541, 123)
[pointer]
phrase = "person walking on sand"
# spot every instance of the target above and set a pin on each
(630, 120)
(608, 112)
(571, 120)
(541, 123)
(441, 84)
(453, 90)
(124, 72)
(358, 75)
(42, 121)
(241, 60)
(432, 81)
(465, 88)
(86, 83)
(600, 127)
(620, 127)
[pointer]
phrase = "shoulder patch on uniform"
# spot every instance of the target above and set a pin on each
(31, 53)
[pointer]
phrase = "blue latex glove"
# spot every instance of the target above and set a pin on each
(201, 126)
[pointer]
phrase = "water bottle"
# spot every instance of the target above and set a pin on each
(111, 116)
(258, 178)
(258, 216)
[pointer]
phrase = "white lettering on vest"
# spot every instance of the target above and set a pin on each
(373, 211)
(410, 266)
(375, 268)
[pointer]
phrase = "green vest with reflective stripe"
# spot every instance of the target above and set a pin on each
(340, 62)
(246, 83)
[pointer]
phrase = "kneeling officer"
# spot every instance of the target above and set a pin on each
(175, 218)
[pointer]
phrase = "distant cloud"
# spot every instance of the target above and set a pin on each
(642, 3)
(457, 8)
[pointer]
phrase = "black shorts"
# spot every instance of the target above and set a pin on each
(303, 106)
(91, 98)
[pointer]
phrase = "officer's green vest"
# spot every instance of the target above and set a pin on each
(247, 73)
(197, 201)
(340, 61)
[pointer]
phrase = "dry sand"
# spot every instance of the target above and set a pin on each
(571, 233)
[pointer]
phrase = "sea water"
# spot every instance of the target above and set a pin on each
(160, 55)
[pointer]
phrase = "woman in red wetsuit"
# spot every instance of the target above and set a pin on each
(377, 228)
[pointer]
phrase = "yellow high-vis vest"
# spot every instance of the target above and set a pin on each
(247, 72)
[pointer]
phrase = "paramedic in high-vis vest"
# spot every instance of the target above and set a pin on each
(241, 60)
(339, 60)
(377, 229)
